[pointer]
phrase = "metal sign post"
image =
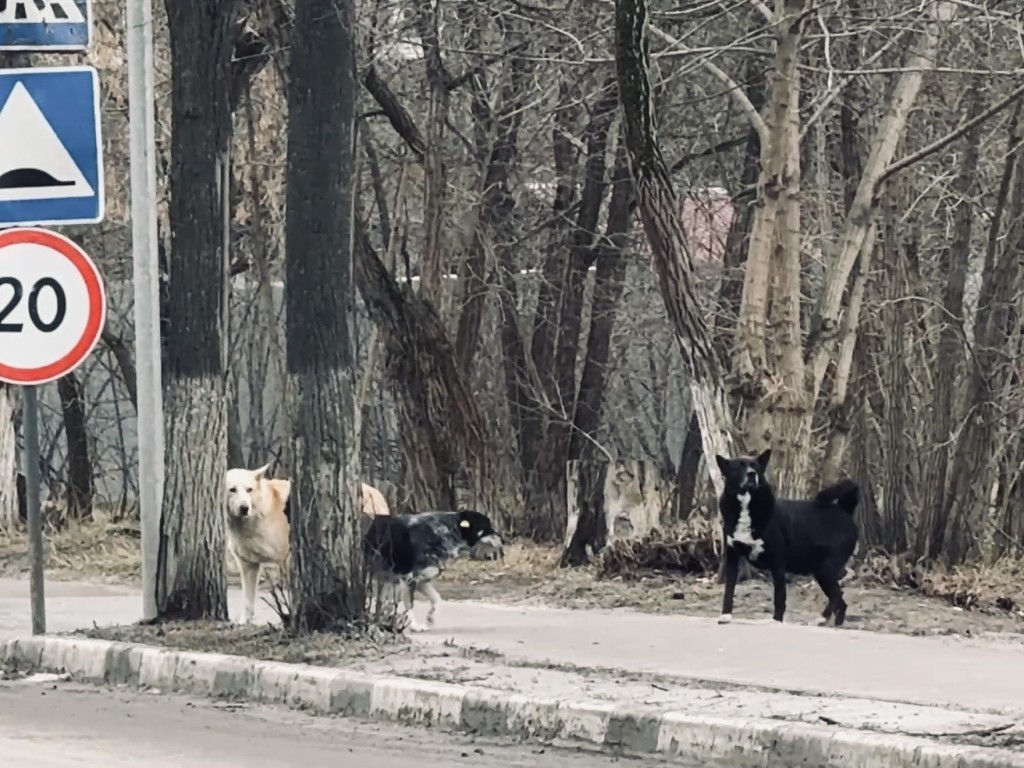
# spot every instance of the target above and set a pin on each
(52, 310)
(149, 416)
(30, 417)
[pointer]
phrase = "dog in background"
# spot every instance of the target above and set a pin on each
(805, 538)
(257, 527)
(258, 512)
(374, 502)
(408, 552)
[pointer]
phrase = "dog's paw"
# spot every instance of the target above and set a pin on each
(432, 617)
(725, 618)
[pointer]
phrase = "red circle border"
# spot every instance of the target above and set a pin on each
(97, 305)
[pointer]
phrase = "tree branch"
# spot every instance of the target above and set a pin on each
(732, 87)
(397, 114)
(939, 144)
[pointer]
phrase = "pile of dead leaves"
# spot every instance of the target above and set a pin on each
(974, 587)
(690, 550)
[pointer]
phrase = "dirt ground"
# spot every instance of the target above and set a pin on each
(528, 575)
(872, 607)
(263, 642)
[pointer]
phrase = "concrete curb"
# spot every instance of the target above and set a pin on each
(629, 729)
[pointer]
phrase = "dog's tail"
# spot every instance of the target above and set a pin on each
(845, 494)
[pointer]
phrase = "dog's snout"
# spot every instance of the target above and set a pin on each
(243, 509)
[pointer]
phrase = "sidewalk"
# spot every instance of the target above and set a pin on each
(945, 671)
(937, 687)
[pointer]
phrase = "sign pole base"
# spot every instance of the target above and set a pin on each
(33, 482)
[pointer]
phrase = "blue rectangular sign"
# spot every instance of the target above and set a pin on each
(45, 25)
(51, 166)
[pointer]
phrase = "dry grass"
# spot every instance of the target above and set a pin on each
(522, 557)
(89, 551)
(93, 551)
(970, 587)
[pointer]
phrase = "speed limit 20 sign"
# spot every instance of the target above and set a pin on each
(52, 306)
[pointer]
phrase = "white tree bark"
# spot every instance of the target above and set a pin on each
(8, 460)
(190, 580)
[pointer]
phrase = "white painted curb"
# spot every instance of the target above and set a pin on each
(621, 728)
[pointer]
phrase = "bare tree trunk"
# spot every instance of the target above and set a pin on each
(591, 529)
(514, 366)
(190, 568)
(440, 422)
(438, 411)
(789, 406)
(895, 482)
(825, 327)
(125, 362)
(8, 460)
(949, 362)
(539, 381)
(851, 161)
(660, 213)
(79, 480)
(608, 288)
(327, 582)
(548, 491)
(774, 243)
(737, 243)
(556, 445)
(435, 186)
(840, 405)
(496, 204)
(998, 321)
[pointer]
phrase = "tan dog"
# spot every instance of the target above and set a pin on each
(374, 502)
(257, 528)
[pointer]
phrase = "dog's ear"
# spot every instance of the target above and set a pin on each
(723, 463)
(762, 460)
(259, 473)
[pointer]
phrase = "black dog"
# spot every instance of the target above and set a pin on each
(409, 552)
(805, 538)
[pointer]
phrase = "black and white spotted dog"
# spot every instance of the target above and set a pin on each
(805, 538)
(407, 552)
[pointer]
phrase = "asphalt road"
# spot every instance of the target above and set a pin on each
(62, 725)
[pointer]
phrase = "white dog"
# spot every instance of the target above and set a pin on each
(258, 529)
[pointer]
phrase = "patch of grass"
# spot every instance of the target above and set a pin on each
(103, 551)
